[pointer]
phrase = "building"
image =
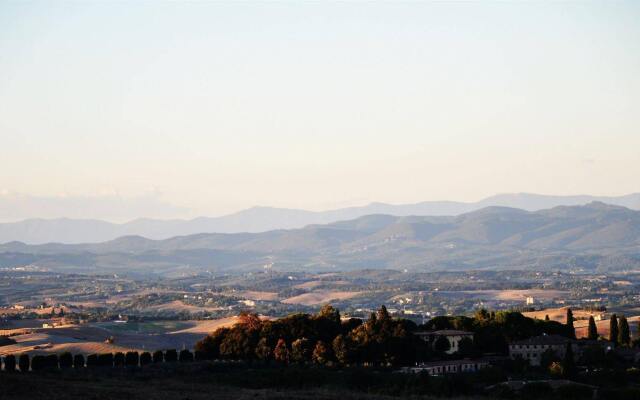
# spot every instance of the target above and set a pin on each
(448, 366)
(453, 336)
(533, 348)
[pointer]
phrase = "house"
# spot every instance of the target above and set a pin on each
(533, 348)
(453, 336)
(448, 366)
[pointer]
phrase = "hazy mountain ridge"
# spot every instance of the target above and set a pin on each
(263, 219)
(596, 235)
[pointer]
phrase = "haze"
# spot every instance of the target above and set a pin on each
(185, 109)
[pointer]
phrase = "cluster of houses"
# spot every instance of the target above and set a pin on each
(530, 350)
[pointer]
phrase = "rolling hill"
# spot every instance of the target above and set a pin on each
(593, 236)
(263, 219)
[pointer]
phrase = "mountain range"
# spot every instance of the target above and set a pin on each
(263, 219)
(596, 236)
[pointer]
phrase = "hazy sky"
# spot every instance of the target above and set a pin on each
(214, 107)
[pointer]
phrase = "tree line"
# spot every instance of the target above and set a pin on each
(325, 338)
(66, 360)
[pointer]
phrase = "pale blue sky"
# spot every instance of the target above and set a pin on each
(214, 107)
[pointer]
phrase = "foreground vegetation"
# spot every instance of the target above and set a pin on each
(324, 338)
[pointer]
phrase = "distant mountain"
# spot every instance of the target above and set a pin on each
(263, 219)
(593, 236)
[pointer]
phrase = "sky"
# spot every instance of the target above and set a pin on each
(117, 110)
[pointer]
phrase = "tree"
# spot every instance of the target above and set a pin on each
(383, 314)
(441, 345)
(92, 360)
(569, 323)
(546, 317)
(342, 349)
(23, 362)
(482, 315)
(38, 363)
(171, 355)
(238, 343)
(465, 347)
(158, 356)
(78, 361)
(10, 363)
(119, 359)
(281, 353)
(320, 354)
(301, 350)
(263, 351)
(251, 321)
(51, 361)
(624, 337)
(593, 329)
(613, 329)
(568, 363)
(145, 358)
(186, 356)
(131, 359)
(547, 358)
(329, 312)
(105, 360)
(210, 344)
(66, 360)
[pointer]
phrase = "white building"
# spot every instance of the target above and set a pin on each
(448, 366)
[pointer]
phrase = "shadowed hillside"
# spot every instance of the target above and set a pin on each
(593, 236)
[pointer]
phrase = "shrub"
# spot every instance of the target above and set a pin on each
(145, 358)
(158, 356)
(118, 359)
(78, 361)
(38, 363)
(10, 363)
(23, 362)
(171, 356)
(105, 360)
(66, 360)
(92, 360)
(132, 358)
(51, 361)
(186, 356)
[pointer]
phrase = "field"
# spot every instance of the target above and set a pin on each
(91, 338)
(515, 294)
(581, 320)
(320, 297)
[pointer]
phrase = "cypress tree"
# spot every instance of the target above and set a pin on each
(571, 329)
(78, 361)
(568, 363)
(593, 329)
(546, 317)
(66, 360)
(24, 362)
(613, 329)
(145, 358)
(10, 363)
(624, 338)
(158, 356)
